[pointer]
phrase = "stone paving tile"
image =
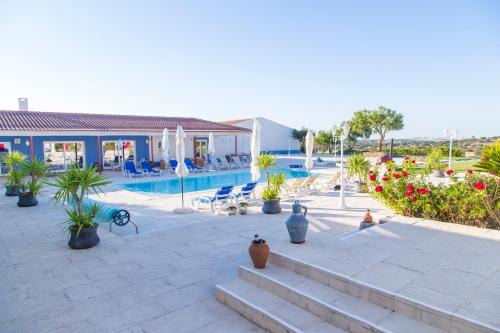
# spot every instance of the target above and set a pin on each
(163, 280)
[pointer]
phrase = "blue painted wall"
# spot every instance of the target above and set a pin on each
(91, 149)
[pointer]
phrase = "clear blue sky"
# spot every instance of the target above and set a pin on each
(302, 63)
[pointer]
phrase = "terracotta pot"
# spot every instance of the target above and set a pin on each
(259, 254)
(368, 217)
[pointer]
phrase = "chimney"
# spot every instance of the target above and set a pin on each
(23, 104)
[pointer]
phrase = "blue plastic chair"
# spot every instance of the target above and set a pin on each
(245, 192)
(130, 169)
(221, 196)
(146, 167)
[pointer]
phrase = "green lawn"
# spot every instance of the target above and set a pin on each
(461, 166)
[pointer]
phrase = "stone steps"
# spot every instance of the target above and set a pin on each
(293, 296)
(269, 311)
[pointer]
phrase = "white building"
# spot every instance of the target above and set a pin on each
(275, 138)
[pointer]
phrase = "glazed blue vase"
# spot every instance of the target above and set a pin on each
(297, 224)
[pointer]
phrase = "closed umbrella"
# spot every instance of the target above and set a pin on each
(211, 146)
(181, 170)
(255, 150)
(309, 150)
(164, 146)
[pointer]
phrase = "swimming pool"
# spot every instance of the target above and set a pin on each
(203, 182)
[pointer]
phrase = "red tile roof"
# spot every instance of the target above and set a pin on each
(58, 121)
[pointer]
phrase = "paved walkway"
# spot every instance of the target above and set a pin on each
(163, 280)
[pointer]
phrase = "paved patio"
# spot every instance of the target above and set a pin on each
(163, 280)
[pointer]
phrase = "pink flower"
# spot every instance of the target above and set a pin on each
(396, 175)
(449, 172)
(414, 199)
(385, 178)
(409, 193)
(372, 177)
(405, 174)
(378, 188)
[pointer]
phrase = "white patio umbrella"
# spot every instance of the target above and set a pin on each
(121, 156)
(309, 150)
(165, 146)
(181, 170)
(255, 150)
(211, 146)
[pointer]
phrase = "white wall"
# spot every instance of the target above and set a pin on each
(273, 136)
(224, 144)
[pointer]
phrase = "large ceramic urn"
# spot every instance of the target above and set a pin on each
(297, 223)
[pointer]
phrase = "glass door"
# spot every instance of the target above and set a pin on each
(114, 153)
(61, 155)
(200, 148)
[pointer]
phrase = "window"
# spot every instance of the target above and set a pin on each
(61, 155)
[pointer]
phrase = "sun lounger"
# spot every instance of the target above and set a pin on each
(293, 189)
(221, 165)
(309, 184)
(230, 162)
(131, 171)
(220, 197)
(191, 166)
(331, 182)
(173, 164)
(245, 192)
(147, 169)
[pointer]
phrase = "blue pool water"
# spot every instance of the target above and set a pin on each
(205, 182)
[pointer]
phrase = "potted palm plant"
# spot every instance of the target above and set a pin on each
(13, 162)
(72, 189)
(271, 193)
(29, 181)
(358, 167)
(434, 163)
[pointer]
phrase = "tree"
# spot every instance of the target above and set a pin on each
(300, 135)
(324, 141)
(361, 124)
(383, 120)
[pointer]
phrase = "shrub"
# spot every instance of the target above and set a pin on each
(474, 201)
(490, 159)
(358, 165)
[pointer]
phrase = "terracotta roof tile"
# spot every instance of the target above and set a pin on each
(59, 121)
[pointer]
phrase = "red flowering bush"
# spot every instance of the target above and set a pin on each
(474, 200)
(449, 172)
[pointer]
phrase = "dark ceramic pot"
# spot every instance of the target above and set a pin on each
(271, 206)
(297, 224)
(27, 200)
(365, 225)
(12, 191)
(87, 238)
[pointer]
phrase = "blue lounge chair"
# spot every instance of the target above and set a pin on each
(131, 171)
(220, 197)
(173, 164)
(146, 168)
(191, 166)
(245, 192)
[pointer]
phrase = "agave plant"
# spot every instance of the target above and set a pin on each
(73, 187)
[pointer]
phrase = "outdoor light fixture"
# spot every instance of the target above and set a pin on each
(147, 141)
(27, 143)
(452, 134)
(345, 132)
